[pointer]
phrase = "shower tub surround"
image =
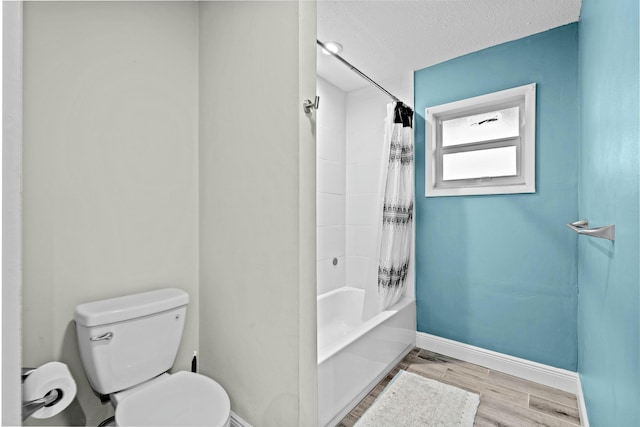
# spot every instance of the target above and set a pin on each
(353, 356)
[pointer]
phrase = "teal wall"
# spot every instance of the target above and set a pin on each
(608, 276)
(499, 272)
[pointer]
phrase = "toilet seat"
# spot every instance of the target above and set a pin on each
(181, 399)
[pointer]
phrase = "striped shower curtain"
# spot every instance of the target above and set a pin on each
(397, 205)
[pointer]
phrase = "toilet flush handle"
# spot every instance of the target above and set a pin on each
(104, 337)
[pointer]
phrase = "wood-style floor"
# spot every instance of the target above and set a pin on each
(505, 400)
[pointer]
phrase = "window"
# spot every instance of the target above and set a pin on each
(482, 145)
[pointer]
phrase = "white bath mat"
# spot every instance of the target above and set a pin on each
(411, 400)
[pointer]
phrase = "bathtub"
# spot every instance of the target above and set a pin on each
(353, 356)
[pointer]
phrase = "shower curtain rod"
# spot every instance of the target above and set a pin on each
(363, 75)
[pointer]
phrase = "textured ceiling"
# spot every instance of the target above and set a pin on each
(386, 39)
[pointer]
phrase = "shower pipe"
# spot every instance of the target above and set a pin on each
(360, 73)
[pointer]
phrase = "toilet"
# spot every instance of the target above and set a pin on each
(127, 344)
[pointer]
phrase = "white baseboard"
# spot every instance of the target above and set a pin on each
(522, 368)
(236, 421)
(582, 406)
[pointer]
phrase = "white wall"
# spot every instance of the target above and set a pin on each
(11, 209)
(136, 116)
(110, 170)
(257, 228)
(331, 186)
(366, 113)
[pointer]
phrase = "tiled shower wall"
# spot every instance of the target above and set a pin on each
(350, 131)
(331, 186)
(366, 110)
(366, 113)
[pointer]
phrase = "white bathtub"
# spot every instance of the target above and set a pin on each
(353, 356)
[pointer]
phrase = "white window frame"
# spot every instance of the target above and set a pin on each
(525, 143)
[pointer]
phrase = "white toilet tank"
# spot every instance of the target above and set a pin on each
(127, 340)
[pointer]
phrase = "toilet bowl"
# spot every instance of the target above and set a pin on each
(128, 344)
(180, 399)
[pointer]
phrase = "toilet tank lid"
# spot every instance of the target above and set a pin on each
(129, 306)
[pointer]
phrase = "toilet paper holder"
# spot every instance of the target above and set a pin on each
(28, 408)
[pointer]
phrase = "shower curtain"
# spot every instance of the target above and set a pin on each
(396, 200)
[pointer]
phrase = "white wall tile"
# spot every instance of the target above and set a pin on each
(357, 271)
(331, 209)
(364, 145)
(331, 177)
(331, 123)
(363, 209)
(331, 242)
(330, 143)
(330, 276)
(363, 177)
(366, 112)
(331, 185)
(333, 104)
(361, 240)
